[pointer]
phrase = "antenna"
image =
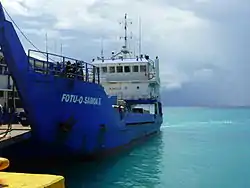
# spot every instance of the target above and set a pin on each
(102, 55)
(61, 51)
(139, 36)
(131, 42)
(125, 31)
(46, 42)
(55, 45)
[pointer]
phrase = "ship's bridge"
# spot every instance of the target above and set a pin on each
(130, 78)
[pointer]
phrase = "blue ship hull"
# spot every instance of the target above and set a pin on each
(71, 116)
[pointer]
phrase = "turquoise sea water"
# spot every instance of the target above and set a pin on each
(198, 147)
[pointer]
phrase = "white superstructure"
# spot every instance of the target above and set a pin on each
(129, 77)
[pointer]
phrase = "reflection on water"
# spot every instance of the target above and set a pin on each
(198, 148)
(132, 168)
(137, 166)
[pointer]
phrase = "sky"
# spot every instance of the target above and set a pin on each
(203, 45)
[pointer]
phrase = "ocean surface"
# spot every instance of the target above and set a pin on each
(198, 147)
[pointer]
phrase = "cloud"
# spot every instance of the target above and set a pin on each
(202, 44)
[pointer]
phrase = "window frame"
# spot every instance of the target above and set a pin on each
(104, 68)
(117, 69)
(128, 67)
(141, 70)
(134, 66)
(110, 68)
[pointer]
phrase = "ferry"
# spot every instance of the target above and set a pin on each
(80, 108)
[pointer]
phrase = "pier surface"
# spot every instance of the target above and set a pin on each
(17, 134)
(20, 180)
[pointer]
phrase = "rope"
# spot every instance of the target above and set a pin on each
(4, 134)
(8, 130)
(24, 34)
(20, 29)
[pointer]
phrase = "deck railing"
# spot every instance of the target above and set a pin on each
(63, 66)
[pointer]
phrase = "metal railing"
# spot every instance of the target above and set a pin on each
(63, 66)
(121, 96)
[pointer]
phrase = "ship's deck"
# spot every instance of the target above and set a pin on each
(17, 134)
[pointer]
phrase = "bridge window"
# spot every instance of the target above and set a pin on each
(112, 69)
(127, 69)
(143, 68)
(104, 69)
(135, 68)
(119, 69)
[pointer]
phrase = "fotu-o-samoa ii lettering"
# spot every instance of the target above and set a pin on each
(80, 99)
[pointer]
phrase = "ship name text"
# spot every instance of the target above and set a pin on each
(80, 99)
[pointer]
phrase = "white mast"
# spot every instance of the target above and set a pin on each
(125, 47)
(61, 49)
(125, 32)
(55, 46)
(102, 54)
(139, 36)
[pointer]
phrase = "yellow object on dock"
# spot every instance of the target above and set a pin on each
(4, 163)
(20, 180)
